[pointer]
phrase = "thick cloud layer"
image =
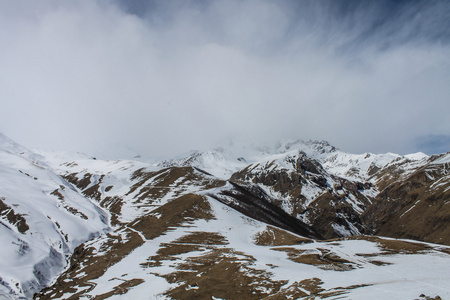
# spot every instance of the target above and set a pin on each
(164, 77)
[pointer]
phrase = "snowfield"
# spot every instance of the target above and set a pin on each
(75, 226)
(44, 218)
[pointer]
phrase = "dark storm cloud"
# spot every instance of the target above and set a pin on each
(163, 77)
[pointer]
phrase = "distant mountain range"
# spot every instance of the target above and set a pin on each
(299, 220)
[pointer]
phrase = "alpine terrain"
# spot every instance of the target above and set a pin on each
(296, 220)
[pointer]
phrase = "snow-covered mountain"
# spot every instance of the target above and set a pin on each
(223, 162)
(43, 220)
(293, 220)
(216, 162)
(310, 180)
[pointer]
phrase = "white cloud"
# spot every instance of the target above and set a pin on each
(86, 75)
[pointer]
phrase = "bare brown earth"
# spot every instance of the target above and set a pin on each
(416, 207)
(225, 273)
(13, 218)
(331, 205)
(88, 263)
(66, 206)
(219, 272)
(178, 212)
(91, 263)
(212, 268)
(412, 203)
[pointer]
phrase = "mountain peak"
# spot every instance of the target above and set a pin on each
(311, 146)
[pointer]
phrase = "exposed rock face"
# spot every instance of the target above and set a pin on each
(404, 199)
(300, 185)
(260, 208)
(287, 225)
(414, 204)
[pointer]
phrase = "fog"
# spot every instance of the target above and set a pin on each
(163, 77)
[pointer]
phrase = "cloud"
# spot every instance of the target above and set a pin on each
(164, 77)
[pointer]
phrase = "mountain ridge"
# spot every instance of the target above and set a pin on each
(282, 226)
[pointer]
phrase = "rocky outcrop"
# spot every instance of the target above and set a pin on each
(404, 199)
(415, 205)
(303, 188)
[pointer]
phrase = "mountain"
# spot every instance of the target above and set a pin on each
(43, 220)
(216, 162)
(304, 189)
(413, 200)
(293, 220)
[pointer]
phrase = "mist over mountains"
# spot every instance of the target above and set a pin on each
(206, 149)
(165, 78)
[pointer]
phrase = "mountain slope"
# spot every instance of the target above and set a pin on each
(189, 245)
(215, 162)
(305, 190)
(373, 194)
(123, 229)
(414, 203)
(43, 219)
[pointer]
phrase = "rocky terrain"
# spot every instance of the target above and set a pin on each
(395, 196)
(297, 220)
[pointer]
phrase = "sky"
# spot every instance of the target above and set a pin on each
(161, 78)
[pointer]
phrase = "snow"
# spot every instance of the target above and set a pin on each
(407, 277)
(131, 264)
(28, 179)
(442, 159)
(410, 208)
(417, 156)
(341, 230)
(216, 162)
(223, 162)
(356, 166)
(311, 192)
(33, 258)
(402, 277)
